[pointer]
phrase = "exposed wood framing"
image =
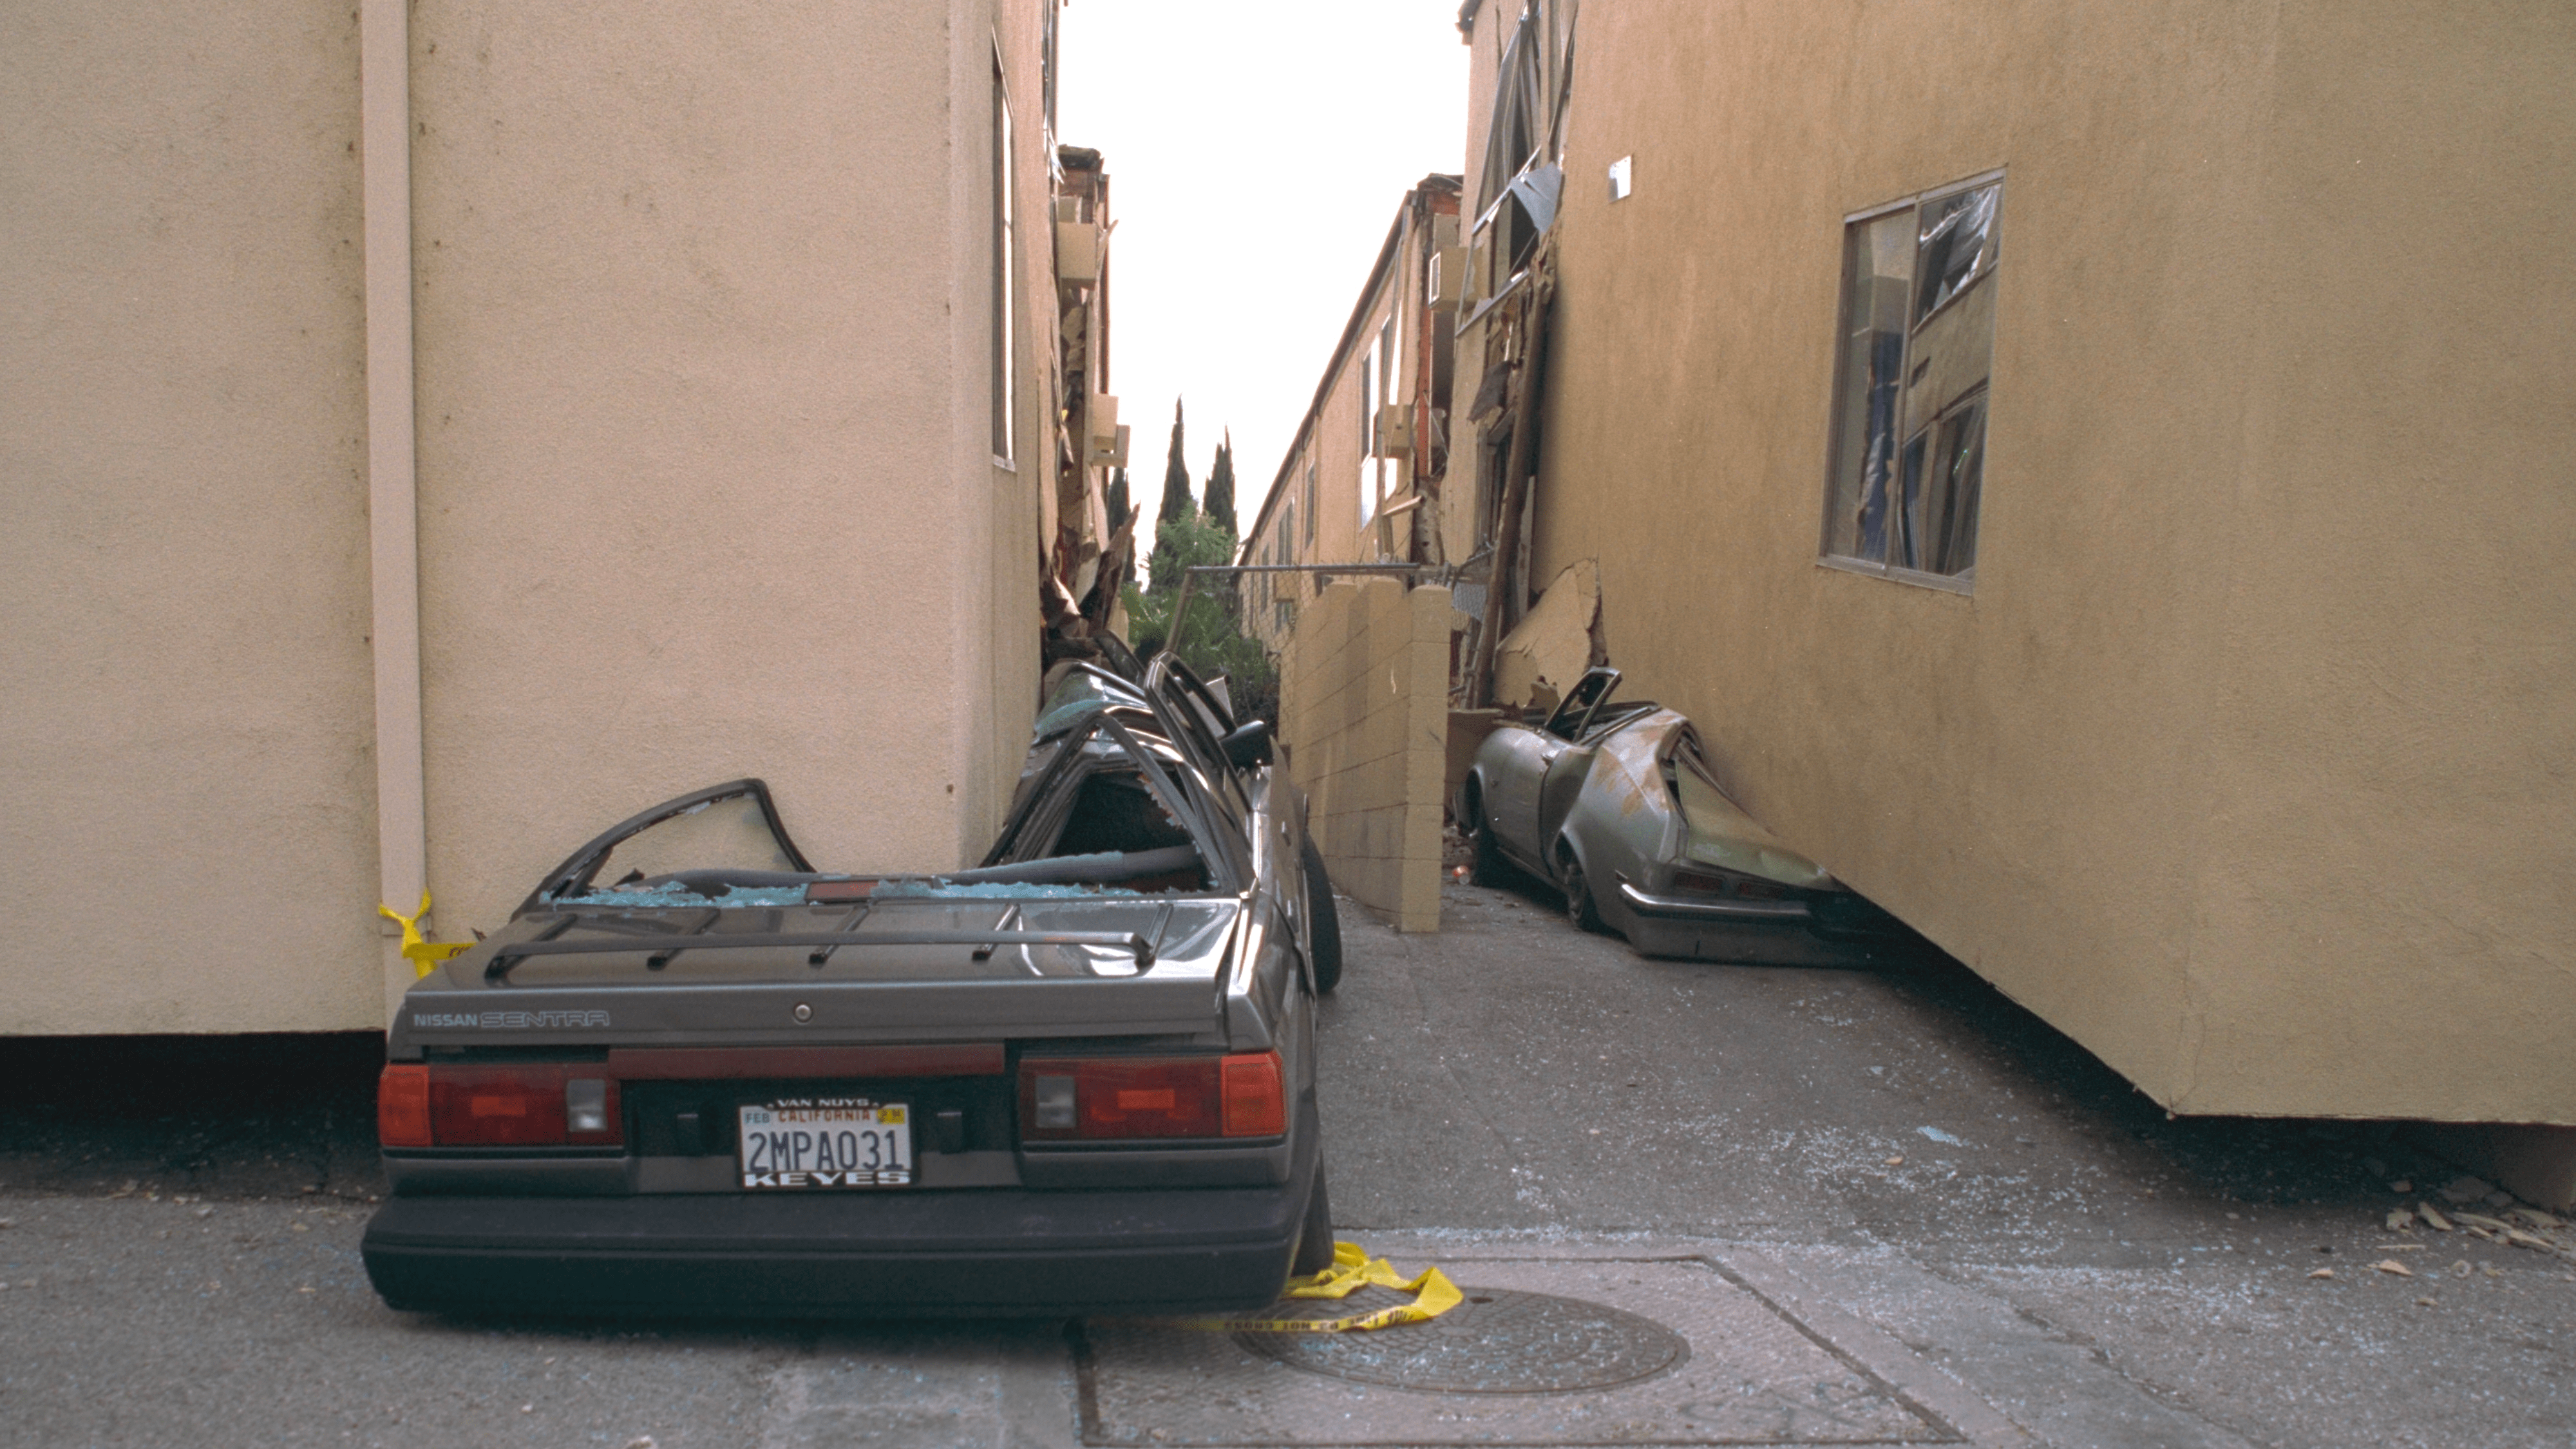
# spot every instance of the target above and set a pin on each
(1503, 566)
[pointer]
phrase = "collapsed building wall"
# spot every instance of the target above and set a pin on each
(2209, 699)
(1088, 521)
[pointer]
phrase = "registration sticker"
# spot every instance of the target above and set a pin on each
(826, 1142)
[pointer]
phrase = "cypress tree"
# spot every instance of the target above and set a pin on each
(1176, 477)
(1220, 486)
(1117, 500)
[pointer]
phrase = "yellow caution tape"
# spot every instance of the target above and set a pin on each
(424, 954)
(1352, 1270)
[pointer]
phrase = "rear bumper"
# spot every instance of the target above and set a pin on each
(1752, 913)
(1763, 933)
(984, 1253)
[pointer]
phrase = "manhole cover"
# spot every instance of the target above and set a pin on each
(1500, 1341)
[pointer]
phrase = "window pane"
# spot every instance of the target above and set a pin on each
(1958, 244)
(1943, 468)
(1950, 520)
(1368, 416)
(1950, 356)
(1878, 269)
(1908, 552)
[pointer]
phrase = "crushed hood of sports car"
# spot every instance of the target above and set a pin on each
(1615, 805)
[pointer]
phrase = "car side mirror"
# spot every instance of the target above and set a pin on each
(1249, 745)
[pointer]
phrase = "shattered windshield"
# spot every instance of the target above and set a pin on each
(1079, 693)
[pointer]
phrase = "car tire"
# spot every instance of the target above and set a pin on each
(1324, 922)
(1490, 869)
(1315, 1240)
(1578, 900)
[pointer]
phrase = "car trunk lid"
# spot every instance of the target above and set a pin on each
(923, 968)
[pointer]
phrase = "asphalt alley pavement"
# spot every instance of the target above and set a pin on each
(1928, 1160)
(1976, 1231)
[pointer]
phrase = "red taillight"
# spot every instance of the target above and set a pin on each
(1108, 1098)
(515, 1104)
(1255, 1104)
(402, 1105)
(1113, 1097)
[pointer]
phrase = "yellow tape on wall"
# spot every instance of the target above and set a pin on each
(423, 953)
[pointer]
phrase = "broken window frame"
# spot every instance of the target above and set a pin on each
(1005, 380)
(574, 876)
(1520, 102)
(1368, 412)
(1377, 372)
(1861, 423)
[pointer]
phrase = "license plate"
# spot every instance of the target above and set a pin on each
(826, 1144)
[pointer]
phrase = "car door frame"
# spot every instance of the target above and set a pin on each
(1513, 795)
(577, 868)
(1569, 766)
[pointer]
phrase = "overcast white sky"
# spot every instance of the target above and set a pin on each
(1256, 154)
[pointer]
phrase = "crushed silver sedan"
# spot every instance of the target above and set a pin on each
(695, 1073)
(1614, 805)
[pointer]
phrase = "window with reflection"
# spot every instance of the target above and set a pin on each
(1912, 367)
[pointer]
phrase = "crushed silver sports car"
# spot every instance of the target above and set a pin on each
(695, 1073)
(1614, 805)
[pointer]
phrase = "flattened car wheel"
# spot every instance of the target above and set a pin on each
(1490, 869)
(1315, 1240)
(1578, 900)
(1324, 923)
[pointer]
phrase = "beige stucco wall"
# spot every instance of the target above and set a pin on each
(2391, 839)
(184, 671)
(707, 484)
(1364, 706)
(2247, 763)
(1332, 447)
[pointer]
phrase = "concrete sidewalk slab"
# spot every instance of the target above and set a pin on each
(1743, 1372)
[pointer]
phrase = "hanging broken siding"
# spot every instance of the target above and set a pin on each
(1553, 644)
(1090, 533)
(1521, 87)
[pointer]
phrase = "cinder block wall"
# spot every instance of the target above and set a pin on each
(1364, 706)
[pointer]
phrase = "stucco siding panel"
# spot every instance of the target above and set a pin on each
(1959, 758)
(2257, 723)
(2392, 837)
(184, 578)
(691, 398)
(2012, 771)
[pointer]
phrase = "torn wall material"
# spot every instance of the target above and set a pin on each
(1089, 553)
(1543, 656)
